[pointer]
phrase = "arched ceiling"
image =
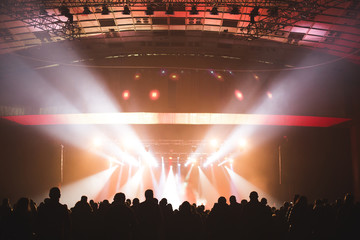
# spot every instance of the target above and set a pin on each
(332, 26)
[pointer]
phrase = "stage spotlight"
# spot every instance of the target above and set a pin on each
(193, 10)
(105, 10)
(239, 95)
(149, 10)
(269, 94)
(154, 94)
(254, 12)
(242, 143)
(137, 76)
(126, 10)
(214, 11)
(86, 10)
(235, 10)
(214, 143)
(219, 77)
(174, 77)
(126, 94)
(97, 142)
(231, 160)
(170, 10)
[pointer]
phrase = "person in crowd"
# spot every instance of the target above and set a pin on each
(119, 219)
(82, 220)
(23, 220)
(5, 217)
(53, 218)
(150, 219)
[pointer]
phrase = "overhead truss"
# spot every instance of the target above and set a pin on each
(279, 13)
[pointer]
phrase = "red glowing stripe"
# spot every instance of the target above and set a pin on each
(176, 118)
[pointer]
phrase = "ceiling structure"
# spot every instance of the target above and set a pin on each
(329, 25)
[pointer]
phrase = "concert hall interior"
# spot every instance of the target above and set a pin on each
(192, 104)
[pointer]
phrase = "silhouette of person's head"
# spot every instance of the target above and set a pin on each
(135, 201)
(232, 199)
(54, 194)
(119, 197)
(149, 194)
(185, 207)
(254, 196)
(84, 199)
(222, 200)
(163, 202)
(263, 201)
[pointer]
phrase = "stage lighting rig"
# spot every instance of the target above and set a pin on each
(86, 10)
(126, 10)
(170, 10)
(194, 10)
(254, 12)
(214, 11)
(149, 10)
(105, 10)
(235, 10)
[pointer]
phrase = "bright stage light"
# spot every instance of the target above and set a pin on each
(174, 77)
(98, 142)
(239, 95)
(269, 94)
(243, 143)
(137, 76)
(154, 94)
(214, 142)
(126, 94)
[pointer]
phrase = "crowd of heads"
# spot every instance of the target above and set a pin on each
(152, 219)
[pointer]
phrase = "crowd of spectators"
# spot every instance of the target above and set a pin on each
(152, 219)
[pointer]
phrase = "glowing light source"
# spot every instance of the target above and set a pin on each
(126, 94)
(214, 142)
(174, 77)
(239, 95)
(137, 76)
(269, 94)
(242, 143)
(154, 94)
(98, 142)
(175, 118)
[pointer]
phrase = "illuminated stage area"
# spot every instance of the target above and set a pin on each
(194, 105)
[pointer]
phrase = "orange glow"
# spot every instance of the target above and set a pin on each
(137, 76)
(239, 95)
(154, 94)
(126, 94)
(176, 118)
(174, 77)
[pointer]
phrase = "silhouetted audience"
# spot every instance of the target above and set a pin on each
(132, 220)
(53, 218)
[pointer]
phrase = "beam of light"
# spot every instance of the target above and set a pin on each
(189, 173)
(160, 187)
(134, 185)
(206, 189)
(175, 118)
(243, 188)
(90, 186)
(171, 191)
(191, 160)
(118, 182)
